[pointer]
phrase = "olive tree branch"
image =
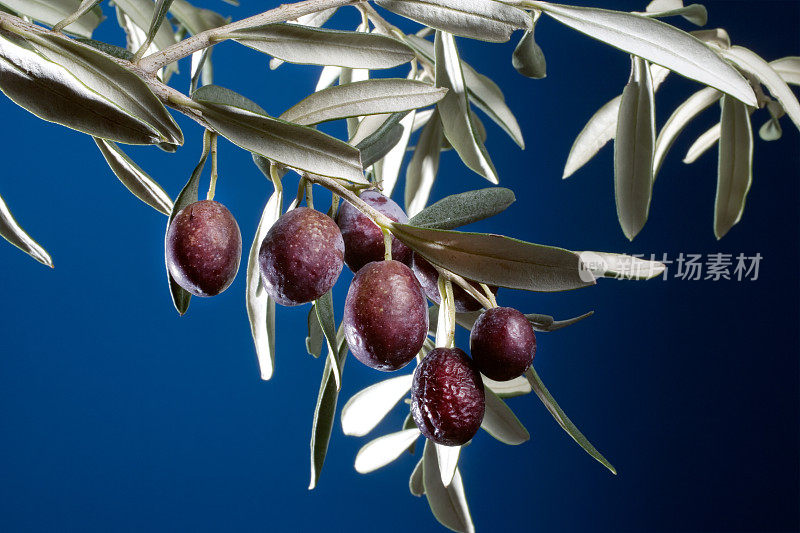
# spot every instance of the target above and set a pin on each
(157, 60)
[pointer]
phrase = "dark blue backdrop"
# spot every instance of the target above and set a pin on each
(117, 415)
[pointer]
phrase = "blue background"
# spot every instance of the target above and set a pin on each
(117, 415)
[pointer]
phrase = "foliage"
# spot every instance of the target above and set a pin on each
(120, 96)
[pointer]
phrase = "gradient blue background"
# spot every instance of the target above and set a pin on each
(117, 415)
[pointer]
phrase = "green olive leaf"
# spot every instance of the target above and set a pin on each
(448, 504)
(318, 46)
(500, 422)
(51, 12)
(562, 419)
(633, 150)
(483, 93)
(771, 130)
(546, 323)
(260, 305)
(528, 58)
(367, 408)
(752, 63)
(323, 306)
(620, 266)
(140, 15)
(685, 113)
(424, 166)
(497, 260)
(694, 13)
(508, 389)
(69, 83)
(368, 97)
(304, 148)
(195, 19)
(447, 456)
(656, 42)
(788, 68)
(387, 170)
(315, 337)
(464, 208)
(134, 178)
(716, 37)
(383, 450)
(455, 112)
(484, 20)
(415, 484)
(325, 413)
(735, 167)
(11, 231)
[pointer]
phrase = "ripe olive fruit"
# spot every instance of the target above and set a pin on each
(301, 256)
(363, 239)
(203, 248)
(385, 315)
(447, 397)
(429, 279)
(502, 343)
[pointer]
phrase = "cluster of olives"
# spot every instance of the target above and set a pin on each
(386, 313)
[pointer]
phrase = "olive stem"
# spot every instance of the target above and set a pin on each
(212, 187)
(387, 244)
(489, 294)
(155, 61)
(82, 10)
(446, 326)
(309, 194)
(274, 175)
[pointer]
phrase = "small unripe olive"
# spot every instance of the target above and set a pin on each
(502, 343)
(363, 239)
(301, 256)
(385, 315)
(447, 397)
(429, 279)
(203, 248)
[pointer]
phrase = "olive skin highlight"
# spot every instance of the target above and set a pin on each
(203, 248)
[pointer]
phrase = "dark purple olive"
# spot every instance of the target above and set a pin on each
(502, 343)
(204, 247)
(385, 315)
(447, 397)
(301, 256)
(429, 279)
(363, 239)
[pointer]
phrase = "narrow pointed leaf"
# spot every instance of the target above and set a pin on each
(160, 12)
(454, 109)
(656, 42)
(142, 13)
(685, 113)
(447, 456)
(620, 266)
(393, 160)
(703, 143)
(563, 420)
(751, 62)
(383, 450)
(496, 260)
(323, 306)
(415, 484)
(424, 166)
(380, 142)
(11, 231)
(448, 504)
(464, 208)
(325, 414)
(483, 93)
(317, 46)
(315, 337)
(484, 20)
(260, 306)
(735, 167)
(528, 57)
(771, 130)
(52, 12)
(367, 408)
(296, 146)
(633, 150)
(501, 423)
(694, 13)
(369, 97)
(550, 324)
(600, 129)
(195, 19)
(788, 68)
(63, 81)
(508, 389)
(134, 178)
(327, 77)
